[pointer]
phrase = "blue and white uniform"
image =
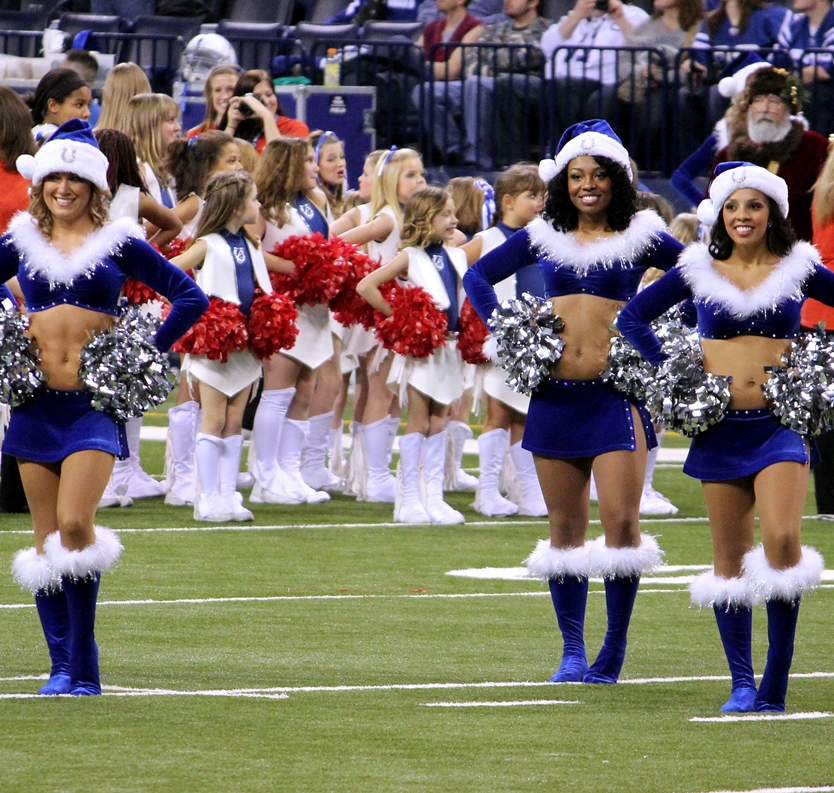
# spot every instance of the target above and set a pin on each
(745, 441)
(578, 418)
(54, 424)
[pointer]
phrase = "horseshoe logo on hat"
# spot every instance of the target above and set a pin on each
(588, 143)
(68, 155)
(738, 178)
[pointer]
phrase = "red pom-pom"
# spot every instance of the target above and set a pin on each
(347, 306)
(473, 334)
(137, 294)
(177, 246)
(319, 270)
(221, 330)
(272, 323)
(416, 328)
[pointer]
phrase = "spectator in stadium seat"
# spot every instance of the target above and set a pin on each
(768, 136)
(579, 74)
(488, 11)
(811, 28)
(360, 11)
(87, 66)
(126, 9)
(499, 77)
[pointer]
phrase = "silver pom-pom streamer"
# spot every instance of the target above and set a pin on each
(20, 376)
(627, 370)
(801, 393)
(682, 395)
(122, 368)
(526, 333)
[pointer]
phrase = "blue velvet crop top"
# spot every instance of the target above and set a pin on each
(92, 277)
(771, 309)
(611, 268)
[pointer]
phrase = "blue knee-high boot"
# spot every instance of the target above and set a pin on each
(80, 573)
(735, 626)
(570, 596)
(35, 574)
(732, 601)
(621, 569)
(781, 630)
(55, 621)
(566, 572)
(82, 594)
(782, 590)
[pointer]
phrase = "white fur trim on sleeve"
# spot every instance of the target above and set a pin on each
(783, 283)
(643, 231)
(34, 573)
(96, 558)
(787, 584)
(548, 562)
(624, 562)
(709, 590)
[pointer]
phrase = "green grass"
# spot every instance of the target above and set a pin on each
(361, 606)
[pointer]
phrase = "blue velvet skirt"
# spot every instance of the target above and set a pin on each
(745, 442)
(582, 418)
(54, 424)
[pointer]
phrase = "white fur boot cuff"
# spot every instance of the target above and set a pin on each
(624, 562)
(548, 562)
(33, 572)
(787, 584)
(96, 558)
(709, 590)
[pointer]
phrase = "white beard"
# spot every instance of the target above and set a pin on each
(766, 130)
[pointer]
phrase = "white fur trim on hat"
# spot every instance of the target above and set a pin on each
(65, 156)
(733, 86)
(34, 573)
(548, 562)
(592, 144)
(787, 584)
(624, 562)
(744, 176)
(709, 590)
(96, 558)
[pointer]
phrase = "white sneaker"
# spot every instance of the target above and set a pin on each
(440, 512)
(308, 494)
(110, 498)
(464, 481)
(320, 478)
(181, 494)
(214, 508)
(244, 479)
(654, 503)
(261, 495)
(411, 512)
(137, 484)
(239, 512)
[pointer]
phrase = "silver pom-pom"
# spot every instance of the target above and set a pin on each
(526, 333)
(801, 393)
(122, 368)
(20, 376)
(682, 396)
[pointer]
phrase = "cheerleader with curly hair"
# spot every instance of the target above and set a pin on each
(592, 247)
(432, 384)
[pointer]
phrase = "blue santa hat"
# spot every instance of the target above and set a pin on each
(72, 148)
(732, 176)
(593, 138)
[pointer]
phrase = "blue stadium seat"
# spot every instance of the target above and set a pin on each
(254, 42)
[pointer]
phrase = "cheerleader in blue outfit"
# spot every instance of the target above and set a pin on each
(592, 250)
(71, 265)
(748, 287)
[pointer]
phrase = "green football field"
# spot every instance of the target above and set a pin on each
(324, 649)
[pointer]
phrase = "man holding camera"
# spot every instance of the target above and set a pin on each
(579, 75)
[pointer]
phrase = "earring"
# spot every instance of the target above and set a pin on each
(770, 225)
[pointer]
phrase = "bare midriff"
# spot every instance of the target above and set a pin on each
(587, 335)
(744, 358)
(60, 333)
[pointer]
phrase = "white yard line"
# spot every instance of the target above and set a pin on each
(765, 717)
(500, 704)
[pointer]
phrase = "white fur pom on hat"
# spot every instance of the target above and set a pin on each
(71, 149)
(733, 86)
(732, 176)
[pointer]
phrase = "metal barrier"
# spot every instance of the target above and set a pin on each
(21, 43)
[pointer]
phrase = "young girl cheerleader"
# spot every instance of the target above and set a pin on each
(153, 124)
(330, 158)
(398, 175)
(435, 382)
(131, 200)
(220, 85)
(291, 206)
(230, 266)
(61, 94)
(123, 82)
(519, 198)
(191, 163)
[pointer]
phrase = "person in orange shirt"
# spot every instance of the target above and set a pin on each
(15, 139)
(255, 114)
(814, 312)
(220, 86)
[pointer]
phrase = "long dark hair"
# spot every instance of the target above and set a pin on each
(57, 84)
(565, 216)
(123, 167)
(191, 161)
(780, 236)
(15, 129)
(249, 128)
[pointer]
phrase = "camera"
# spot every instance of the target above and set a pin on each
(601, 5)
(247, 111)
